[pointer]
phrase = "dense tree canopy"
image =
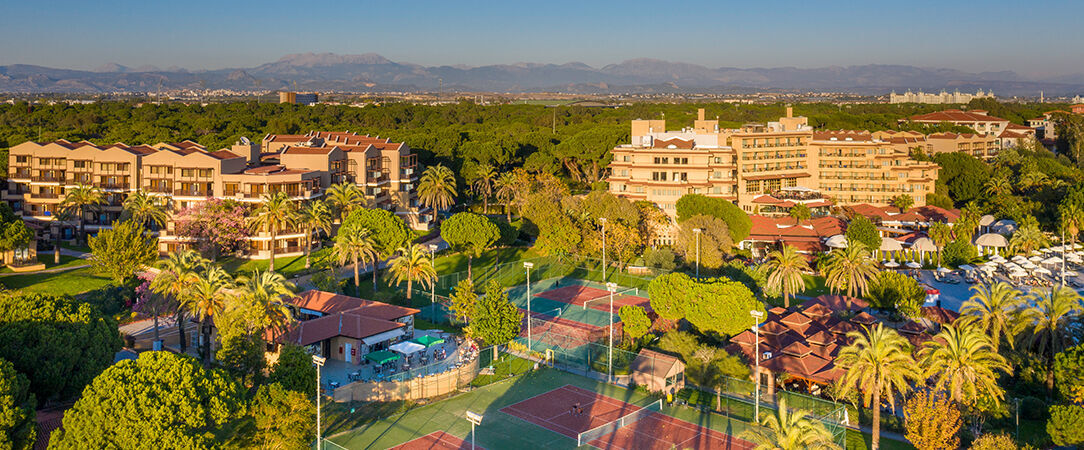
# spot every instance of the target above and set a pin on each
(122, 250)
(294, 370)
(713, 305)
(737, 221)
(17, 405)
(387, 230)
(861, 229)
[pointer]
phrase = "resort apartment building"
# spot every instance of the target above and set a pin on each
(786, 159)
(978, 145)
(186, 173)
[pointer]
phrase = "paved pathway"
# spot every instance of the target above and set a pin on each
(53, 270)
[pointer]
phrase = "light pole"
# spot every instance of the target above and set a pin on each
(433, 286)
(319, 361)
(528, 265)
(612, 287)
(697, 232)
(757, 315)
(475, 419)
(603, 221)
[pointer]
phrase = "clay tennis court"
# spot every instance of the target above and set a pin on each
(561, 332)
(553, 410)
(578, 295)
(436, 440)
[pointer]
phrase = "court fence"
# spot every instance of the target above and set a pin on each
(602, 430)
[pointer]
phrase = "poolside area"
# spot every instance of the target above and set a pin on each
(953, 295)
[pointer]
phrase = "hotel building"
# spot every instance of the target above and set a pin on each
(302, 166)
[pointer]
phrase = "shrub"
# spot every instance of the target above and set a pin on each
(958, 253)
(1066, 424)
(998, 441)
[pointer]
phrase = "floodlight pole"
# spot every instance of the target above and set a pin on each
(319, 361)
(528, 265)
(603, 221)
(612, 287)
(474, 419)
(433, 285)
(697, 232)
(757, 315)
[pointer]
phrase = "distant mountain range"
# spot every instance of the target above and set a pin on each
(374, 73)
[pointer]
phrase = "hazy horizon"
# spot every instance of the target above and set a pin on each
(201, 35)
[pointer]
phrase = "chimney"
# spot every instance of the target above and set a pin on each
(700, 114)
(790, 111)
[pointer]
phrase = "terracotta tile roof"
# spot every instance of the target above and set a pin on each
(863, 318)
(265, 169)
(821, 338)
(287, 138)
(955, 115)
(656, 364)
(778, 310)
(328, 302)
(746, 337)
(807, 367)
(224, 154)
(675, 141)
(307, 150)
(838, 302)
(766, 199)
(917, 340)
(354, 323)
(773, 328)
(912, 327)
(817, 310)
(797, 348)
(940, 315)
(1009, 134)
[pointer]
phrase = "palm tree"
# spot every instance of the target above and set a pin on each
(275, 213)
(997, 186)
(851, 267)
(784, 269)
(800, 213)
(61, 217)
(1046, 324)
(789, 430)
(437, 189)
(997, 308)
(145, 210)
(269, 290)
(1072, 220)
(941, 234)
(879, 364)
(344, 198)
(313, 216)
(1032, 179)
(355, 245)
(178, 272)
(961, 361)
(507, 189)
(1027, 238)
(206, 297)
(484, 176)
(81, 199)
(413, 263)
(903, 202)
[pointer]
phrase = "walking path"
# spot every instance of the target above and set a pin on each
(53, 270)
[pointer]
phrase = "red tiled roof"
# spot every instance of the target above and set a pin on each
(838, 302)
(224, 154)
(817, 310)
(767, 199)
(354, 323)
(940, 315)
(328, 302)
(797, 348)
(912, 327)
(307, 150)
(821, 338)
(288, 138)
(955, 115)
(863, 318)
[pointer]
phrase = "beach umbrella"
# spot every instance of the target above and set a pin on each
(891, 264)
(837, 241)
(1052, 260)
(914, 265)
(1035, 259)
(943, 270)
(1042, 270)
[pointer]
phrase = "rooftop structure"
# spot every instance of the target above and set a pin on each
(937, 99)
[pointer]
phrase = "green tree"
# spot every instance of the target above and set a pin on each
(997, 309)
(160, 397)
(903, 202)
(16, 236)
(17, 409)
(962, 175)
(176, 273)
(933, 422)
(712, 305)
(941, 234)
(715, 240)
(284, 419)
(123, 250)
(145, 210)
(894, 290)
(784, 270)
(1028, 238)
(1046, 324)
(463, 300)
(58, 343)
(1066, 425)
(634, 321)
(313, 217)
(387, 230)
(496, 320)
(81, 199)
(850, 268)
(1000, 441)
(268, 292)
(668, 294)
(960, 252)
(862, 230)
(800, 213)
(1068, 365)
(275, 214)
(355, 245)
(961, 361)
(345, 197)
(483, 182)
(437, 188)
(242, 356)
(1071, 219)
(412, 263)
(877, 363)
(737, 221)
(294, 370)
(471, 234)
(206, 298)
(60, 218)
(790, 429)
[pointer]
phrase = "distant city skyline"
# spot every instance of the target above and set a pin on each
(994, 36)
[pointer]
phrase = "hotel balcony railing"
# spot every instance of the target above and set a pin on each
(52, 179)
(20, 175)
(158, 189)
(112, 185)
(192, 193)
(44, 195)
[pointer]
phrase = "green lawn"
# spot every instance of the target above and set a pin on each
(814, 286)
(78, 248)
(457, 262)
(288, 266)
(47, 259)
(70, 282)
(862, 441)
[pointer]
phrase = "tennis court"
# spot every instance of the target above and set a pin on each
(579, 295)
(436, 440)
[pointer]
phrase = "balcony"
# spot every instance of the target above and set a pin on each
(44, 195)
(192, 193)
(112, 185)
(48, 179)
(158, 189)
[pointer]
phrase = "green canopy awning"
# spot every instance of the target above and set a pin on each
(382, 356)
(429, 341)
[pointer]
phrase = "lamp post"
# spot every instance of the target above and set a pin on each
(528, 265)
(612, 287)
(697, 232)
(319, 361)
(603, 221)
(433, 286)
(757, 315)
(474, 419)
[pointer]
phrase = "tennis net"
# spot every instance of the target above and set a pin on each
(617, 295)
(621, 422)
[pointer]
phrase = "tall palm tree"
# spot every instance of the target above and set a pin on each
(784, 269)
(176, 273)
(344, 198)
(903, 202)
(997, 186)
(879, 364)
(437, 188)
(275, 213)
(789, 430)
(851, 268)
(269, 290)
(800, 213)
(206, 298)
(1071, 220)
(507, 188)
(355, 245)
(81, 199)
(997, 308)
(1032, 179)
(484, 176)
(1027, 238)
(60, 218)
(961, 361)
(1046, 324)
(413, 263)
(145, 210)
(941, 234)
(314, 216)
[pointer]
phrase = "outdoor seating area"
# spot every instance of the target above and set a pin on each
(430, 352)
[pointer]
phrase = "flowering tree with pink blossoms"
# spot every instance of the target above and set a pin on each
(215, 226)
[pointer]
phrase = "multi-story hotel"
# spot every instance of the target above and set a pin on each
(302, 166)
(978, 145)
(785, 159)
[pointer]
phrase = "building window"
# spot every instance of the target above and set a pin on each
(658, 176)
(681, 160)
(22, 159)
(659, 160)
(790, 182)
(752, 187)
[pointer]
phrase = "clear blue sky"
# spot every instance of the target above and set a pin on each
(1032, 38)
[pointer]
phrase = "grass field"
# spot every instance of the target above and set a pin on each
(70, 282)
(47, 259)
